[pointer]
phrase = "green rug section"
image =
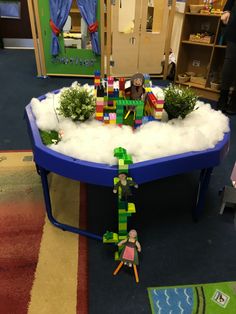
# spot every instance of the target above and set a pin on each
(212, 298)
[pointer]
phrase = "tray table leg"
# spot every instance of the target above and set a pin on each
(204, 180)
(43, 174)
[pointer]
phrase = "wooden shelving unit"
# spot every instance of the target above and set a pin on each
(204, 59)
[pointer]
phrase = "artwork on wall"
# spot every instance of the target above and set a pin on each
(10, 9)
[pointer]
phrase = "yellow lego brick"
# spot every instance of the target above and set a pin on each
(112, 121)
(99, 114)
(121, 162)
(159, 106)
(131, 208)
(158, 116)
(109, 107)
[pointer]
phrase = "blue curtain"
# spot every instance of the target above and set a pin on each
(59, 10)
(88, 11)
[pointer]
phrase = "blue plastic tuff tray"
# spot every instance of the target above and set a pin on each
(48, 160)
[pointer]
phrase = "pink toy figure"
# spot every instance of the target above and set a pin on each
(129, 253)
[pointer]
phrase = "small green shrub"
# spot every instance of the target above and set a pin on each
(179, 101)
(77, 103)
(49, 137)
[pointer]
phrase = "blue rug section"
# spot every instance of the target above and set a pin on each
(171, 300)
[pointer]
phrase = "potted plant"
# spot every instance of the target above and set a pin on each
(179, 101)
(77, 102)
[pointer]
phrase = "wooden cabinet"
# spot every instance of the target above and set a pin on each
(201, 50)
(75, 18)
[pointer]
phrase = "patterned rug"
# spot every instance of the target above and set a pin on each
(42, 269)
(213, 298)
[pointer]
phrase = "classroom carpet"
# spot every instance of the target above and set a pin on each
(212, 298)
(42, 268)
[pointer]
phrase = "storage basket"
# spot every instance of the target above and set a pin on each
(195, 8)
(183, 78)
(204, 39)
(198, 80)
(190, 73)
(215, 86)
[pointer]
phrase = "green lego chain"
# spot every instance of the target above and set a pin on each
(124, 210)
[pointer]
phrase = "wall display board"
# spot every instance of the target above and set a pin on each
(75, 55)
(202, 48)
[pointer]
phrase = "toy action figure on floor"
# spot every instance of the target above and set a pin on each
(129, 253)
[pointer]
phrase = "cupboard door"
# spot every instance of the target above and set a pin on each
(125, 36)
(139, 30)
(152, 36)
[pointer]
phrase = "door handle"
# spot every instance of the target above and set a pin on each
(132, 40)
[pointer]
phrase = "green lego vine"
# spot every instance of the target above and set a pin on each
(125, 210)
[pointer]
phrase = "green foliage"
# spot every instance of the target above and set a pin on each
(77, 103)
(179, 101)
(49, 137)
(108, 235)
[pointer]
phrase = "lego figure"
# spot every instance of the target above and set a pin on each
(125, 185)
(137, 90)
(129, 254)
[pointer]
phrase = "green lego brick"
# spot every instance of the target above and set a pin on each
(123, 233)
(139, 113)
(122, 212)
(122, 226)
(119, 121)
(124, 170)
(123, 219)
(127, 214)
(122, 215)
(119, 151)
(110, 237)
(117, 256)
(122, 205)
(128, 160)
